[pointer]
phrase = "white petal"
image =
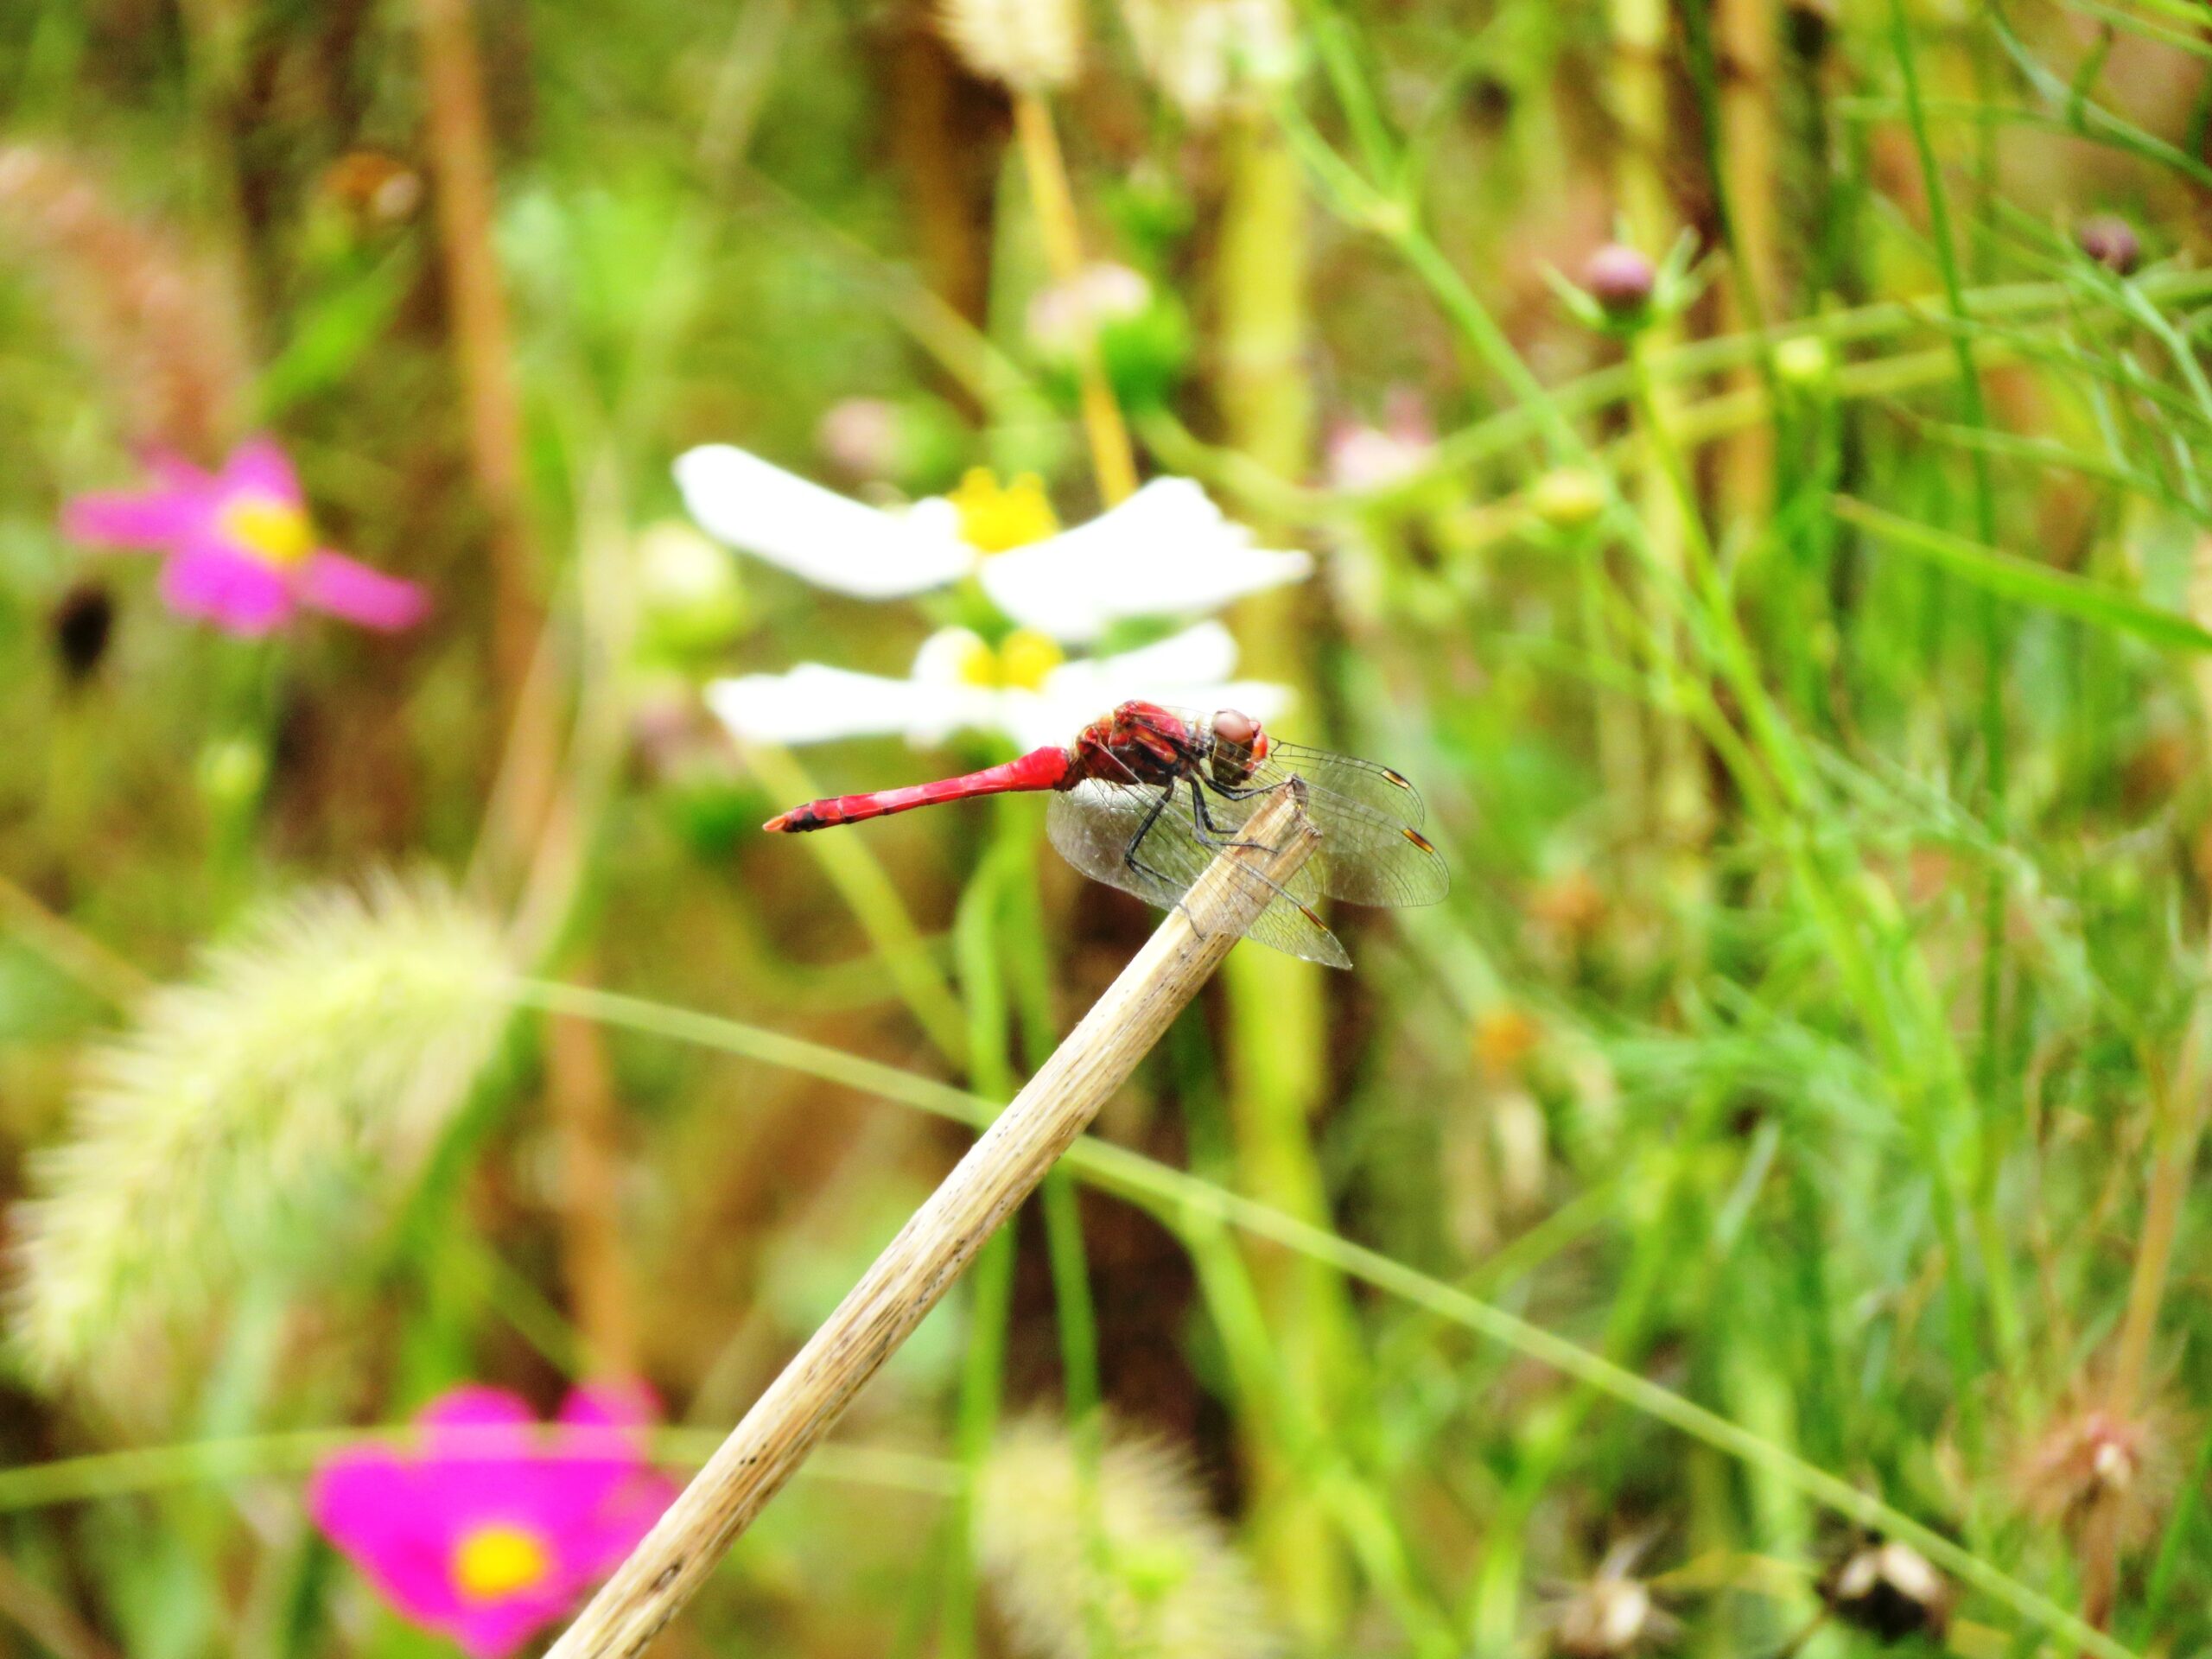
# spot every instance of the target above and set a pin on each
(816, 704)
(1198, 656)
(945, 653)
(1188, 671)
(1166, 551)
(831, 541)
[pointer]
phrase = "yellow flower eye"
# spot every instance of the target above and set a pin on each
(978, 663)
(995, 518)
(496, 1561)
(1027, 657)
(276, 532)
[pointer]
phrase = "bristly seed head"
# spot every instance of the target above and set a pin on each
(2092, 1469)
(1032, 46)
(1121, 1556)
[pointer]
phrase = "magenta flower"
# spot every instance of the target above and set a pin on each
(491, 1528)
(238, 547)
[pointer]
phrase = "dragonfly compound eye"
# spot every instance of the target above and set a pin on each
(1232, 727)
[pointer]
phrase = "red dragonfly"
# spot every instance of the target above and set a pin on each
(1145, 798)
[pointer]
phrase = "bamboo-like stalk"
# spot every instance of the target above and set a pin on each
(918, 1265)
(1276, 1051)
(1111, 458)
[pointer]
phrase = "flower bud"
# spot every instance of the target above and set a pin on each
(1805, 363)
(688, 587)
(1566, 499)
(1621, 280)
(2111, 241)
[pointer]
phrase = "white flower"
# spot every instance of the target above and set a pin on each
(1025, 689)
(1166, 552)
(1207, 54)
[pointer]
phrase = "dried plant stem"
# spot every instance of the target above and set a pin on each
(529, 692)
(1748, 32)
(1111, 457)
(919, 1265)
(582, 1084)
(461, 150)
(44, 1617)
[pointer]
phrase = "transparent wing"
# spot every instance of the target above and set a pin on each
(1368, 856)
(1385, 792)
(1372, 850)
(1112, 834)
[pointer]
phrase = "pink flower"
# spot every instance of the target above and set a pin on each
(238, 546)
(491, 1529)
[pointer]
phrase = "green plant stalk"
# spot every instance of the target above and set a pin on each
(1677, 807)
(990, 1301)
(1782, 807)
(1990, 1053)
(1493, 1614)
(1277, 1020)
(1778, 749)
(1181, 1200)
(875, 904)
(100, 1476)
(1355, 1509)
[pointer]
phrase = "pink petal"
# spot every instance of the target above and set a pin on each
(394, 1524)
(611, 1405)
(624, 1515)
(257, 467)
(346, 587)
(239, 594)
(473, 1407)
(492, 1630)
(154, 519)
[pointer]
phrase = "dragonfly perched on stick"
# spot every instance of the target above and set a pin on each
(1145, 796)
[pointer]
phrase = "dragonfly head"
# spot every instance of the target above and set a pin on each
(1232, 726)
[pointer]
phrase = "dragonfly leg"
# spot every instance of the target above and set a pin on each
(1212, 833)
(1130, 860)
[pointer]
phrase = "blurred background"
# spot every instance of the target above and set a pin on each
(1746, 456)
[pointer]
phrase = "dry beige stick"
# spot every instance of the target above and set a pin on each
(917, 1267)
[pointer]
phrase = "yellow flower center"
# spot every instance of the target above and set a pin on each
(995, 518)
(496, 1561)
(276, 532)
(1021, 663)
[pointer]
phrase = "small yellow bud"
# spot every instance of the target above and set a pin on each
(1567, 498)
(1805, 362)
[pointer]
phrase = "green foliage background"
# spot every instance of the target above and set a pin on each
(1785, 1134)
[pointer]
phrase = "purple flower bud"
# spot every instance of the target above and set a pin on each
(1620, 279)
(2111, 241)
